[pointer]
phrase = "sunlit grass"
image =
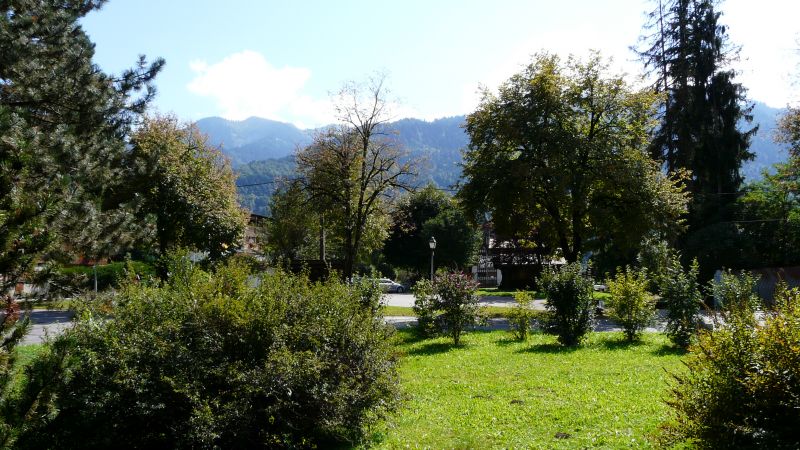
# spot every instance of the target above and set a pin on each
(495, 392)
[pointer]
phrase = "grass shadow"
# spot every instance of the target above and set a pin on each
(669, 350)
(619, 344)
(508, 340)
(432, 348)
(553, 348)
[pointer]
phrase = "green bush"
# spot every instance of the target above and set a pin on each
(448, 305)
(742, 386)
(631, 305)
(216, 360)
(681, 295)
(521, 316)
(425, 308)
(570, 303)
(457, 302)
(108, 275)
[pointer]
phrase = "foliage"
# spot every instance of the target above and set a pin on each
(13, 327)
(631, 305)
(656, 256)
(769, 211)
(448, 305)
(680, 292)
(424, 214)
(560, 152)
(570, 304)
(500, 393)
(735, 295)
(788, 131)
(687, 50)
(350, 167)
(292, 230)
(218, 360)
(184, 187)
(62, 122)
(425, 308)
(522, 315)
(741, 388)
(457, 302)
(108, 275)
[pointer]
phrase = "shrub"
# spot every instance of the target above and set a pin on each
(457, 302)
(570, 303)
(735, 295)
(208, 360)
(742, 385)
(681, 295)
(425, 308)
(521, 316)
(631, 305)
(656, 256)
(108, 275)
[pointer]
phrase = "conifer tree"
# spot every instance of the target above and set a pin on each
(62, 125)
(687, 50)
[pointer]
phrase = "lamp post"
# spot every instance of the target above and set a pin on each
(432, 245)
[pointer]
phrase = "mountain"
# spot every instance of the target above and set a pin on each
(261, 150)
(767, 152)
(253, 139)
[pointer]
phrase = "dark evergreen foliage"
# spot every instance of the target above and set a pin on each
(425, 214)
(63, 123)
(688, 51)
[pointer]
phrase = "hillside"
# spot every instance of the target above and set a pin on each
(261, 150)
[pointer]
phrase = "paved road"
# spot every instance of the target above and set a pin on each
(46, 323)
(408, 300)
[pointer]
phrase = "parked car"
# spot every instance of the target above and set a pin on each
(388, 285)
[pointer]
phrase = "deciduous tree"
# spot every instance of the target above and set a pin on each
(351, 167)
(424, 214)
(175, 179)
(561, 149)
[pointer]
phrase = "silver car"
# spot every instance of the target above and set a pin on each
(388, 285)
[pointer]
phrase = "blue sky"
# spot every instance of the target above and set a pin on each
(281, 59)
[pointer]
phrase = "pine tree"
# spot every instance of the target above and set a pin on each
(688, 50)
(62, 125)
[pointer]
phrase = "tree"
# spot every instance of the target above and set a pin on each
(560, 150)
(62, 122)
(702, 108)
(424, 214)
(352, 166)
(184, 186)
(292, 229)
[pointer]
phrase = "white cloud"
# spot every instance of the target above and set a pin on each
(245, 84)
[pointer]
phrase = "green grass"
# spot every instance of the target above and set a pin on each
(495, 392)
(495, 292)
(490, 311)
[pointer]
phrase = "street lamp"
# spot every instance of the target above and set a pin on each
(432, 245)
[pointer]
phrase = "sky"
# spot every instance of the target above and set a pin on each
(281, 60)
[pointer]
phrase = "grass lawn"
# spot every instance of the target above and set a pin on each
(483, 292)
(491, 311)
(495, 392)
(495, 292)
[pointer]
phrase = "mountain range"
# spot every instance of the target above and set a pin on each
(261, 150)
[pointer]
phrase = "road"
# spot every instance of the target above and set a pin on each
(46, 323)
(408, 300)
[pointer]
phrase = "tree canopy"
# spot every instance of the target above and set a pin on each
(184, 186)
(688, 51)
(428, 213)
(351, 167)
(561, 149)
(63, 123)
